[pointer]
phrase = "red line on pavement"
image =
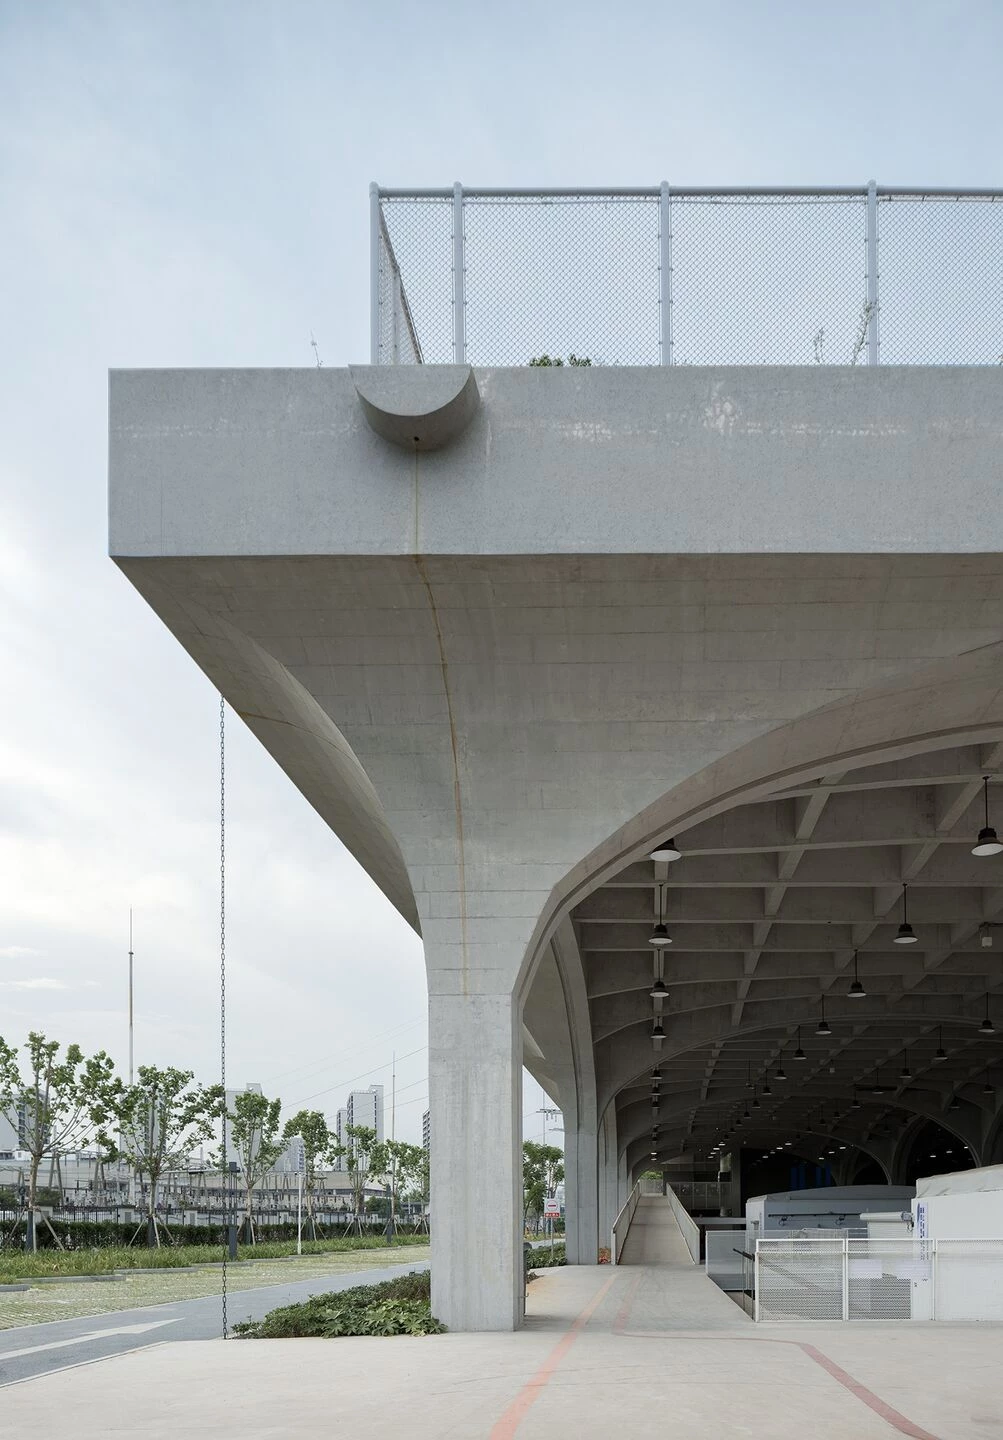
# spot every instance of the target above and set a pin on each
(868, 1397)
(506, 1427)
(625, 1309)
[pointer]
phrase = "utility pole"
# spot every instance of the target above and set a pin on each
(393, 1163)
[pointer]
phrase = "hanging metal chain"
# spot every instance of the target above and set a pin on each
(222, 990)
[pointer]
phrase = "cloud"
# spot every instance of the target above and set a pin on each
(42, 982)
(19, 952)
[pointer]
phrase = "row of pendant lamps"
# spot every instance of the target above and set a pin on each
(987, 844)
(824, 1028)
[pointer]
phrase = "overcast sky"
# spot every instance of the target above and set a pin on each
(185, 184)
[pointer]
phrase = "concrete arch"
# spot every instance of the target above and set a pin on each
(618, 1068)
(993, 1148)
(952, 702)
(291, 724)
(634, 1121)
(638, 1155)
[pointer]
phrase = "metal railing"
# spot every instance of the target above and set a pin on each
(688, 1227)
(723, 1257)
(878, 1279)
(663, 276)
(622, 1224)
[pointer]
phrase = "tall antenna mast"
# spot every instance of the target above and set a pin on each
(393, 1095)
(130, 994)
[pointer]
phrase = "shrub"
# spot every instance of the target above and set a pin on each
(543, 1259)
(401, 1306)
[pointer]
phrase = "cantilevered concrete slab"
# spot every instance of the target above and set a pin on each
(613, 605)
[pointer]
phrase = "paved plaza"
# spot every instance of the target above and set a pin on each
(650, 1346)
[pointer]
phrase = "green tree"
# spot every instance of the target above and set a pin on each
(255, 1143)
(573, 359)
(49, 1103)
(310, 1127)
(542, 1172)
(364, 1155)
(154, 1124)
(395, 1162)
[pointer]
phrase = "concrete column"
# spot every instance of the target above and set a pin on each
(581, 1186)
(607, 1161)
(475, 1088)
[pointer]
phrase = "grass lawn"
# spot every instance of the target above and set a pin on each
(102, 1260)
(65, 1302)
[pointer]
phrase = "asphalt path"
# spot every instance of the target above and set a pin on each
(30, 1350)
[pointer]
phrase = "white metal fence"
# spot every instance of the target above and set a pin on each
(688, 277)
(810, 1278)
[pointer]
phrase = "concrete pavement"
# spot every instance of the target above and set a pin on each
(604, 1350)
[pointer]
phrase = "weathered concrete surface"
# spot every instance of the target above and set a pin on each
(678, 460)
(498, 670)
(630, 1356)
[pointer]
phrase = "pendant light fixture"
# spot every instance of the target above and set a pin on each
(778, 1073)
(668, 850)
(823, 1027)
(766, 1084)
(955, 1103)
(855, 1102)
(755, 1102)
(657, 1033)
(799, 1053)
(905, 934)
(856, 990)
(905, 1073)
(988, 842)
(987, 1027)
(748, 1081)
(656, 1076)
(660, 936)
(746, 1113)
(988, 1089)
(659, 991)
(940, 1055)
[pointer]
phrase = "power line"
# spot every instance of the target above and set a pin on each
(363, 1076)
(320, 1064)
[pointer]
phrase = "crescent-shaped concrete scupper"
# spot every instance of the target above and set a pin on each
(419, 407)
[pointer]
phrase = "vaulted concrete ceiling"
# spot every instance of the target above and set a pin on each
(767, 908)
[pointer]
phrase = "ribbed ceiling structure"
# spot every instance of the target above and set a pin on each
(772, 910)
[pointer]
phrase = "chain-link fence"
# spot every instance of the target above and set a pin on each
(688, 277)
(878, 1279)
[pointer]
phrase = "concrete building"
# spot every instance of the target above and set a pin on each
(231, 1099)
(365, 1107)
(341, 1125)
(665, 702)
(10, 1139)
(426, 1131)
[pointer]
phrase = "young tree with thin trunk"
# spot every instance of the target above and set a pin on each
(255, 1144)
(154, 1124)
(47, 1101)
(542, 1172)
(310, 1127)
(361, 1152)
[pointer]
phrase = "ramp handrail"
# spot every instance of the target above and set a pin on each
(622, 1224)
(688, 1228)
